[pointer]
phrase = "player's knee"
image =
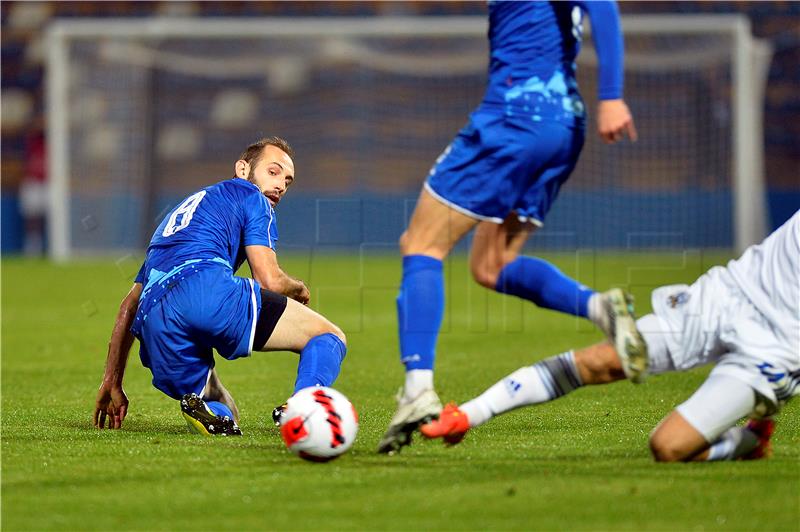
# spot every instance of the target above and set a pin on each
(336, 331)
(420, 243)
(664, 450)
(484, 275)
(326, 327)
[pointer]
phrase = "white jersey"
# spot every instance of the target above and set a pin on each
(769, 275)
(744, 318)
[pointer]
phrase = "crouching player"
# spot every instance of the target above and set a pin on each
(186, 300)
(744, 318)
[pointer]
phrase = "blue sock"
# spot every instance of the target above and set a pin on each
(420, 307)
(543, 284)
(219, 409)
(320, 361)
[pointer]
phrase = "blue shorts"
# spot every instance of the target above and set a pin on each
(501, 164)
(211, 309)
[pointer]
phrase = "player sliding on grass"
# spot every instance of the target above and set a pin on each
(186, 301)
(502, 173)
(744, 318)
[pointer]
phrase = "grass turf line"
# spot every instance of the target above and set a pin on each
(578, 463)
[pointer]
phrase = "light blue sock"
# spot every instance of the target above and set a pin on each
(544, 285)
(219, 409)
(320, 361)
(420, 307)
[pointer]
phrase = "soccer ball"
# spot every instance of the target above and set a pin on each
(319, 424)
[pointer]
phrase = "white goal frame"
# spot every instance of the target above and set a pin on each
(750, 61)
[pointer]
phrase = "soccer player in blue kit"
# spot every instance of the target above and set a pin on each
(186, 300)
(502, 173)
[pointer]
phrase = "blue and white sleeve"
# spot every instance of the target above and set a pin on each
(608, 42)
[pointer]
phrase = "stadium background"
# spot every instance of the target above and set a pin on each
(357, 179)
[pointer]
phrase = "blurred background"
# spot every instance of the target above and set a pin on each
(149, 119)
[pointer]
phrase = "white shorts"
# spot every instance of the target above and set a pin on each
(33, 198)
(711, 321)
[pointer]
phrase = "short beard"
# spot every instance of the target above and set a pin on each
(251, 175)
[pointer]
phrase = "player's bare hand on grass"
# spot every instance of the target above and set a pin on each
(111, 405)
(614, 121)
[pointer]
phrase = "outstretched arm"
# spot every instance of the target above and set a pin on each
(614, 119)
(264, 266)
(111, 402)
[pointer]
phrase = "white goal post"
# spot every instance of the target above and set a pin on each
(748, 59)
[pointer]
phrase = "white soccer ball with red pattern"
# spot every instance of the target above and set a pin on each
(319, 424)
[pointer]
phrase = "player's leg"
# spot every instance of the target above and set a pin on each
(217, 397)
(496, 263)
(550, 379)
(434, 229)
(432, 232)
(174, 348)
(181, 368)
(476, 178)
(33, 197)
(209, 418)
(703, 428)
(211, 411)
(494, 246)
(286, 325)
(542, 382)
(718, 323)
(295, 327)
(201, 313)
(495, 258)
(206, 405)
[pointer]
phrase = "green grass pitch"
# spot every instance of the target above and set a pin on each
(578, 463)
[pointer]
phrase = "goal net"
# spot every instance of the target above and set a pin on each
(143, 113)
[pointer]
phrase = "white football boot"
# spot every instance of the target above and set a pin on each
(619, 325)
(424, 408)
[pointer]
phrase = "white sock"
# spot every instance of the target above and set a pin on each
(734, 442)
(540, 383)
(417, 381)
(597, 312)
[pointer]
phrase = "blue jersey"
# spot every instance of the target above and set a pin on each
(533, 46)
(208, 229)
(189, 267)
